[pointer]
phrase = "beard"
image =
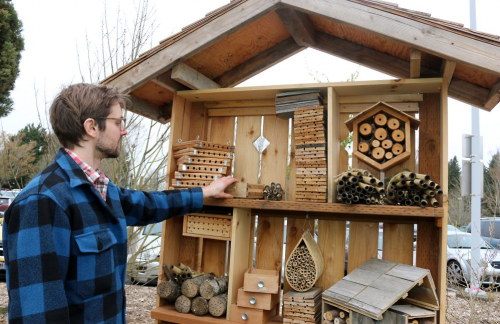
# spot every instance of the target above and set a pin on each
(107, 151)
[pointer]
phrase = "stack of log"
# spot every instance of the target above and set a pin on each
(273, 192)
(310, 154)
(302, 307)
(413, 189)
(200, 162)
(336, 316)
(201, 294)
(381, 137)
(358, 186)
(288, 102)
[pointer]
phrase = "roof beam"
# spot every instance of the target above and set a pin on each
(385, 63)
(436, 41)
(493, 97)
(191, 78)
(447, 70)
(259, 63)
(191, 44)
(144, 108)
(415, 62)
(298, 25)
(165, 80)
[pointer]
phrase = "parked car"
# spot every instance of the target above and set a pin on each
(490, 231)
(146, 250)
(458, 258)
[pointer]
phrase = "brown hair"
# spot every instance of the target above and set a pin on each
(75, 104)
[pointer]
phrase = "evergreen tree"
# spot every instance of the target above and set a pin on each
(11, 45)
(36, 134)
(454, 174)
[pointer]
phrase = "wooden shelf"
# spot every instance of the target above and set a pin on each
(169, 314)
(328, 208)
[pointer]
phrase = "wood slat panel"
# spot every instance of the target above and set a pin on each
(429, 163)
(153, 93)
(402, 251)
(331, 241)
(221, 130)
(292, 181)
(293, 234)
(214, 256)
(363, 243)
(344, 133)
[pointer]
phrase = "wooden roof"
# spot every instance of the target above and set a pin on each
(245, 37)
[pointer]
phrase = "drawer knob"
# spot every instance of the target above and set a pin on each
(253, 301)
(261, 284)
(244, 316)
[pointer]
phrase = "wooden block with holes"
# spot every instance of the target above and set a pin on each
(202, 145)
(180, 184)
(217, 227)
(302, 307)
(203, 153)
(197, 160)
(200, 168)
(246, 190)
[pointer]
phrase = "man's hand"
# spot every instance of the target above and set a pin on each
(216, 188)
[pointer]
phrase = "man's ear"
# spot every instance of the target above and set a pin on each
(91, 127)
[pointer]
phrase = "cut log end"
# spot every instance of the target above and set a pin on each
(199, 306)
(183, 304)
(217, 306)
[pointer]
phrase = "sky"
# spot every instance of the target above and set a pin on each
(56, 31)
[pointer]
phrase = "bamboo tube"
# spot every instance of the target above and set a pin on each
(434, 203)
(369, 180)
(363, 172)
(387, 144)
(423, 176)
(166, 271)
(366, 187)
(365, 130)
(410, 175)
(182, 266)
(429, 192)
(217, 305)
(375, 143)
(431, 184)
(363, 147)
(176, 270)
(381, 134)
(393, 123)
(401, 184)
(378, 153)
(398, 136)
(199, 306)
(388, 155)
(183, 304)
(423, 203)
(397, 149)
(380, 119)
(353, 180)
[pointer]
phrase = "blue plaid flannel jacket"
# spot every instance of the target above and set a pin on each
(66, 248)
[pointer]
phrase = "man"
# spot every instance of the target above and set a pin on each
(65, 235)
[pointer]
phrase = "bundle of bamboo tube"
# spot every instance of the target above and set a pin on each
(273, 192)
(382, 137)
(358, 186)
(336, 316)
(413, 189)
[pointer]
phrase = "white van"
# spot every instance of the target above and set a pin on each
(144, 255)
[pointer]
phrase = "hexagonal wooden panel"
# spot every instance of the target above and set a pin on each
(382, 135)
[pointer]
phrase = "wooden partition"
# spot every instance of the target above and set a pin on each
(214, 115)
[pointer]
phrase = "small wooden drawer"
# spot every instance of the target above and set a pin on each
(217, 227)
(257, 300)
(263, 281)
(251, 315)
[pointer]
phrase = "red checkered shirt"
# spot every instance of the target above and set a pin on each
(96, 177)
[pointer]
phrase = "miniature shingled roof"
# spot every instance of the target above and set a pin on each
(376, 285)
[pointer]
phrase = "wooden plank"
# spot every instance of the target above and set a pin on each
(221, 130)
(198, 128)
(259, 63)
(165, 80)
(392, 284)
(240, 241)
(292, 181)
(191, 44)
(402, 29)
(168, 314)
(493, 97)
(412, 311)
(353, 108)
(362, 276)
(191, 78)
(240, 103)
(415, 63)
(293, 235)
(385, 98)
(429, 163)
(363, 242)
(331, 241)
(250, 111)
(214, 256)
(345, 288)
(448, 68)
(333, 139)
(144, 108)
(298, 25)
(403, 251)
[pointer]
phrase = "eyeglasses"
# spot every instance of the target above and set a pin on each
(122, 124)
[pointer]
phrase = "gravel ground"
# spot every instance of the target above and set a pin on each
(141, 300)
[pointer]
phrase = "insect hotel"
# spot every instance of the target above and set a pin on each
(291, 135)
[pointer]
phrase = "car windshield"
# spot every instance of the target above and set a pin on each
(461, 241)
(4, 201)
(152, 229)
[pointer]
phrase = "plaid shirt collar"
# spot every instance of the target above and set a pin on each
(96, 177)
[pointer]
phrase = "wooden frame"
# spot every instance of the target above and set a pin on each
(186, 124)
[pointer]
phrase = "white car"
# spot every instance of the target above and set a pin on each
(458, 260)
(145, 249)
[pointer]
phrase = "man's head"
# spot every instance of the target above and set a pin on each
(77, 103)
